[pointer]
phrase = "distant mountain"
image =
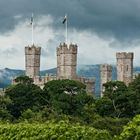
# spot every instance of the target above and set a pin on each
(6, 75)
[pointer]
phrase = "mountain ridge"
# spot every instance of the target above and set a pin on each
(7, 74)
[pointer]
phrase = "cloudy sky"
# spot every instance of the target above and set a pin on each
(100, 28)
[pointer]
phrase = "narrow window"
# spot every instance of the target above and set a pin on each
(127, 67)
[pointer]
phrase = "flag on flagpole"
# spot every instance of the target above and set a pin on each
(64, 20)
(31, 20)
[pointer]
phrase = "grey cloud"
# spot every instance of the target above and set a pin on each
(50, 49)
(9, 53)
(117, 18)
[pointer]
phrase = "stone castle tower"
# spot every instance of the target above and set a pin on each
(105, 75)
(32, 61)
(66, 66)
(125, 67)
(66, 61)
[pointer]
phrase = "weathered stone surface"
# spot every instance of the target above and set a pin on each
(32, 60)
(105, 75)
(66, 66)
(66, 61)
(125, 67)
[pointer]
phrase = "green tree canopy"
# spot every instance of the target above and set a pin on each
(67, 96)
(23, 95)
(4, 112)
(64, 86)
(24, 80)
(132, 130)
(117, 98)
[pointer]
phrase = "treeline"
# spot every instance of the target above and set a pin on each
(67, 101)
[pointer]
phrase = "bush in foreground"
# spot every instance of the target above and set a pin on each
(132, 130)
(50, 130)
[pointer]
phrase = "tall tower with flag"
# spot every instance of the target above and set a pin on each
(32, 57)
(67, 61)
(32, 61)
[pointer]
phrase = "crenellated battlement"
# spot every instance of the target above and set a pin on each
(105, 67)
(125, 67)
(89, 80)
(124, 55)
(32, 60)
(33, 50)
(65, 49)
(66, 61)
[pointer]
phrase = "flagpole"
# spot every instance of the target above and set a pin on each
(32, 30)
(66, 26)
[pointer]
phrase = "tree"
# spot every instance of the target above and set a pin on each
(112, 125)
(117, 92)
(66, 96)
(104, 106)
(114, 88)
(134, 96)
(24, 80)
(64, 86)
(23, 95)
(125, 100)
(132, 130)
(4, 112)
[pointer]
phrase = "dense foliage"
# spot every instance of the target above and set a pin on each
(67, 101)
(132, 130)
(51, 131)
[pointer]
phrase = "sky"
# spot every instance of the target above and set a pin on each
(99, 28)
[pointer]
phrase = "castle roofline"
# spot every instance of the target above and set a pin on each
(124, 55)
(67, 49)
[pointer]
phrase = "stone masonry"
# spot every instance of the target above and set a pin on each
(32, 60)
(105, 76)
(66, 61)
(125, 67)
(66, 66)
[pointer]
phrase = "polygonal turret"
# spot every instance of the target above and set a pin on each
(124, 55)
(32, 50)
(125, 67)
(66, 61)
(32, 60)
(65, 49)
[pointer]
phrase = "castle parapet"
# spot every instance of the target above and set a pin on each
(32, 60)
(65, 49)
(124, 55)
(66, 61)
(105, 67)
(33, 50)
(125, 67)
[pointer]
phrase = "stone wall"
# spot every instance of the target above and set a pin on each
(32, 60)
(41, 80)
(66, 66)
(125, 67)
(105, 76)
(66, 61)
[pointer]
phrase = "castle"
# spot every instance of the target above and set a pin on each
(124, 69)
(66, 66)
